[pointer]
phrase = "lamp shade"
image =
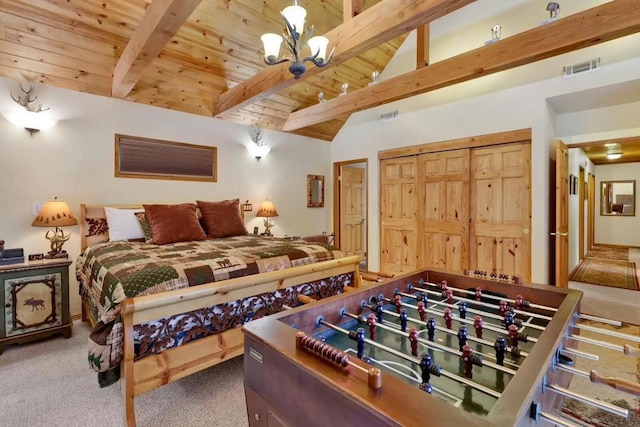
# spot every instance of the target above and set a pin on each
(29, 119)
(271, 43)
(318, 44)
(296, 16)
(267, 209)
(54, 213)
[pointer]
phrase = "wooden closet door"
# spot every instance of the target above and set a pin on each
(352, 203)
(443, 192)
(501, 209)
(398, 223)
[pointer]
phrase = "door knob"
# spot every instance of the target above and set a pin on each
(558, 234)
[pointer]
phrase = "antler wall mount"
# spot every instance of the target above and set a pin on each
(31, 118)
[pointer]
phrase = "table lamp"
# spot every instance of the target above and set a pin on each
(55, 213)
(267, 210)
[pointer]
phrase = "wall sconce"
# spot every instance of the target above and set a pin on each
(247, 207)
(31, 118)
(259, 148)
(294, 18)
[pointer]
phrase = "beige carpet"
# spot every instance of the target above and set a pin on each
(607, 272)
(49, 383)
(608, 252)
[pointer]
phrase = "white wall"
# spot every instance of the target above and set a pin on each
(617, 230)
(75, 161)
(445, 114)
(577, 158)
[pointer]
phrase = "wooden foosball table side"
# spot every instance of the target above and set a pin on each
(286, 386)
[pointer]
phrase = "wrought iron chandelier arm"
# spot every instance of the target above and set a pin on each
(273, 60)
(320, 62)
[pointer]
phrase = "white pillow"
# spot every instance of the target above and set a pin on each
(123, 224)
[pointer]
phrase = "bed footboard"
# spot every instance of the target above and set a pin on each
(148, 373)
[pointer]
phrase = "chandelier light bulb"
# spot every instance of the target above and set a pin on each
(296, 16)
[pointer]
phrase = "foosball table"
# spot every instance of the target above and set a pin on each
(430, 348)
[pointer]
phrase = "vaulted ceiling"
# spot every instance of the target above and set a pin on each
(76, 44)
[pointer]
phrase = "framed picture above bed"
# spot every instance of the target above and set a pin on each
(137, 157)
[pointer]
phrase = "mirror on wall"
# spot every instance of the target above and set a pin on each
(618, 198)
(315, 191)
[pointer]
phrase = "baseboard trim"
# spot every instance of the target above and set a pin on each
(608, 245)
(75, 317)
(575, 269)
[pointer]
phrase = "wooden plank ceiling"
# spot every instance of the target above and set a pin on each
(76, 44)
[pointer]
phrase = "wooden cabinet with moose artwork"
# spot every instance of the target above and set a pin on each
(35, 301)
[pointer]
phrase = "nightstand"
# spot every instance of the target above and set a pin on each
(34, 298)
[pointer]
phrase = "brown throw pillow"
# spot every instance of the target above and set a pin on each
(174, 223)
(222, 219)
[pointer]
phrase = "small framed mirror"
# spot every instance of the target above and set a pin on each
(315, 191)
(618, 198)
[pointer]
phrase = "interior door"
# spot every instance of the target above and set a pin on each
(443, 193)
(501, 209)
(352, 210)
(591, 217)
(398, 220)
(561, 233)
(581, 199)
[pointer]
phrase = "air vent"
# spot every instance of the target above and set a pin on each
(389, 116)
(582, 67)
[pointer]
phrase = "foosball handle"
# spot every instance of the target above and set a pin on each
(631, 351)
(617, 383)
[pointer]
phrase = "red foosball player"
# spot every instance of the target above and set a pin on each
(513, 335)
(413, 338)
(467, 356)
(503, 307)
(371, 321)
(422, 311)
(519, 302)
(448, 317)
(477, 324)
(478, 294)
(397, 300)
(443, 285)
(449, 295)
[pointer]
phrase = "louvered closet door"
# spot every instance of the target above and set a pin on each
(398, 223)
(444, 209)
(501, 209)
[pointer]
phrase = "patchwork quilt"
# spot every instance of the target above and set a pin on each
(110, 272)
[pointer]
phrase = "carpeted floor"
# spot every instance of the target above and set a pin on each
(607, 272)
(49, 383)
(608, 252)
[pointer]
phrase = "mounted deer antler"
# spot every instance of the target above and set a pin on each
(257, 137)
(26, 101)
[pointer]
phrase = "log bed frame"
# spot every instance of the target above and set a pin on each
(141, 376)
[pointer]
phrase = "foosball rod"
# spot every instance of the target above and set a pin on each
(414, 360)
(485, 304)
(606, 332)
(588, 400)
(488, 326)
(557, 420)
(493, 297)
(626, 349)
(599, 319)
(449, 331)
(579, 353)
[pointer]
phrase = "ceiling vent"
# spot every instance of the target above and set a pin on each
(582, 67)
(391, 115)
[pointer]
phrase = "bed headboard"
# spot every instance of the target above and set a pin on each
(93, 223)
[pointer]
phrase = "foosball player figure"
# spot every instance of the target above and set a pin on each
(425, 366)
(443, 287)
(379, 312)
(463, 310)
(477, 324)
(413, 338)
(509, 320)
(360, 340)
(449, 294)
(422, 310)
(448, 317)
(467, 357)
(431, 329)
(478, 294)
(513, 335)
(500, 347)
(397, 301)
(503, 307)
(403, 320)
(521, 303)
(462, 337)
(371, 321)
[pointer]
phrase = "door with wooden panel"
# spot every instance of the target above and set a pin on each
(561, 233)
(443, 194)
(352, 210)
(500, 223)
(398, 222)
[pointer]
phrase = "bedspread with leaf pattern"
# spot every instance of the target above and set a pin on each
(110, 272)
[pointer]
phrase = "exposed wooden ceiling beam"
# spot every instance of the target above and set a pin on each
(351, 8)
(596, 25)
(422, 50)
(159, 24)
(374, 26)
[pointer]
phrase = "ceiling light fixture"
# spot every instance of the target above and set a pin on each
(614, 156)
(294, 19)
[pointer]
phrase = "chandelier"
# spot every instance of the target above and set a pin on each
(294, 19)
